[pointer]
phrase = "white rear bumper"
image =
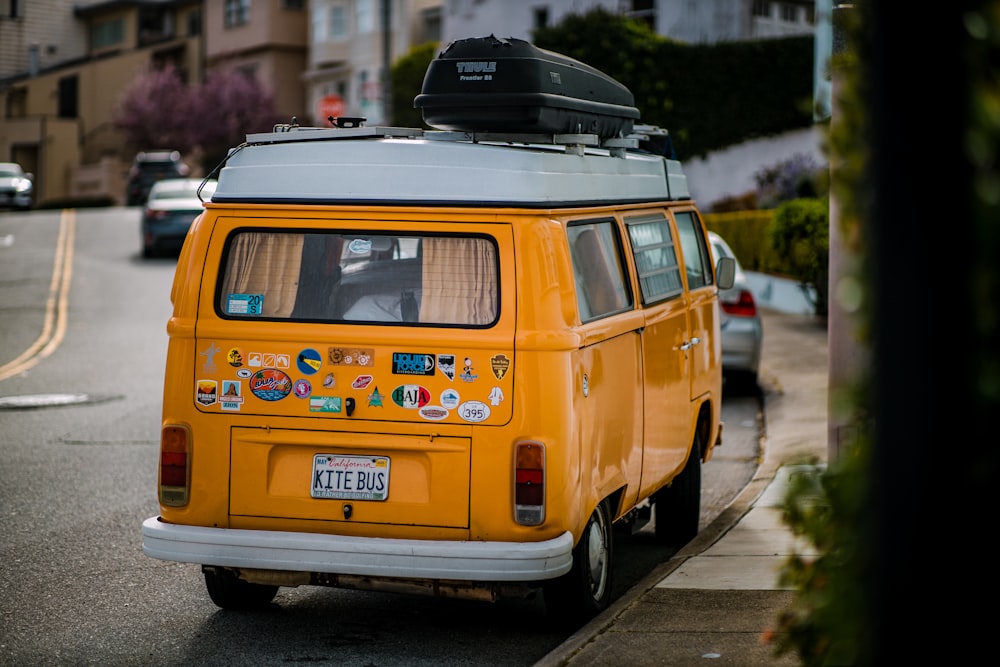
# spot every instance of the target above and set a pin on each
(367, 556)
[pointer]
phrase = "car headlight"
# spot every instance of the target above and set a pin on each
(22, 185)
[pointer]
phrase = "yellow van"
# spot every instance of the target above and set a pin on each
(438, 361)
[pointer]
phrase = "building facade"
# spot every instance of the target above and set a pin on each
(689, 21)
(65, 63)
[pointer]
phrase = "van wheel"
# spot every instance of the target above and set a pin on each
(230, 592)
(585, 590)
(678, 506)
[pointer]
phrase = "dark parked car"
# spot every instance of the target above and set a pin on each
(742, 332)
(148, 167)
(172, 206)
(16, 186)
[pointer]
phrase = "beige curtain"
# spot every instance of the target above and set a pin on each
(459, 281)
(266, 264)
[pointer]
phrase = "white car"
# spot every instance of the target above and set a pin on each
(16, 186)
(742, 331)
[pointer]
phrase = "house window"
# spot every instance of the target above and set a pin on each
(237, 13)
(540, 18)
(107, 33)
(293, 4)
(338, 22)
(365, 16)
(194, 23)
(761, 8)
(15, 10)
(69, 87)
(789, 12)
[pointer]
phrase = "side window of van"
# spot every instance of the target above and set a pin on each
(345, 276)
(655, 257)
(601, 288)
(697, 264)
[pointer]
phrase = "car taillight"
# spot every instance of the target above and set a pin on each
(529, 483)
(175, 468)
(155, 215)
(744, 306)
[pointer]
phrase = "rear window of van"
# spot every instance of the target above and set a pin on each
(360, 277)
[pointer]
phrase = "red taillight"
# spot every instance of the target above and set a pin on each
(744, 306)
(529, 483)
(175, 442)
(155, 215)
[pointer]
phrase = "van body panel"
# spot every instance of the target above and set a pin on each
(421, 481)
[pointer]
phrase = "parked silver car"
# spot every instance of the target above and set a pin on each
(16, 186)
(742, 332)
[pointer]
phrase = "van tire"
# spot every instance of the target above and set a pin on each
(678, 505)
(585, 590)
(228, 591)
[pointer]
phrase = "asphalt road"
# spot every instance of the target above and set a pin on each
(82, 347)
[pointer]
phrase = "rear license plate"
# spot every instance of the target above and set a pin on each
(350, 477)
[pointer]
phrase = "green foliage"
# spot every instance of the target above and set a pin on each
(746, 232)
(828, 622)
(707, 96)
(407, 80)
(800, 237)
(823, 625)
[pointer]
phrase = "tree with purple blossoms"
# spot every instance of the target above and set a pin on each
(158, 110)
(153, 111)
(229, 105)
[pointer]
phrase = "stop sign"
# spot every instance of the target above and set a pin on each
(331, 105)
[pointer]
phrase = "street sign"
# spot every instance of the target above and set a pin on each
(331, 105)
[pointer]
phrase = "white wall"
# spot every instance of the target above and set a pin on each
(730, 172)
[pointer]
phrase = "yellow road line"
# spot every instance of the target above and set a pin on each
(56, 305)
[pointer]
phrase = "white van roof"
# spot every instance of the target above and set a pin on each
(391, 165)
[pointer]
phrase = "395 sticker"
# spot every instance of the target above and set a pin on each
(474, 411)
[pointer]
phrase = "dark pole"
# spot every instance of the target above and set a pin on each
(935, 481)
(386, 62)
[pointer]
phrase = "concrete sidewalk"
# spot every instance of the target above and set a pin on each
(716, 597)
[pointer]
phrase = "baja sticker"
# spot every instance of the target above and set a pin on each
(474, 411)
(302, 388)
(270, 384)
(324, 404)
(446, 364)
(244, 373)
(362, 382)
(411, 396)
(434, 413)
(232, 395)
(207, 392)
(347, 356)
(406, 363)
(234, 357)
(500, 364)
(450, 399)
(245, 304)
(308, 361)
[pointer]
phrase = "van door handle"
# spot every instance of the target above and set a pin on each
(689, 344)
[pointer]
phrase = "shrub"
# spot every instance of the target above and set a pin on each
(800, 237)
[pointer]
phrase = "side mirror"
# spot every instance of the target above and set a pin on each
(725, 272)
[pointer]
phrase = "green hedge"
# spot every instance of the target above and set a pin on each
(748, 234)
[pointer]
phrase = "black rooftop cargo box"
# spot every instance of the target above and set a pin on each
(487, 84)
